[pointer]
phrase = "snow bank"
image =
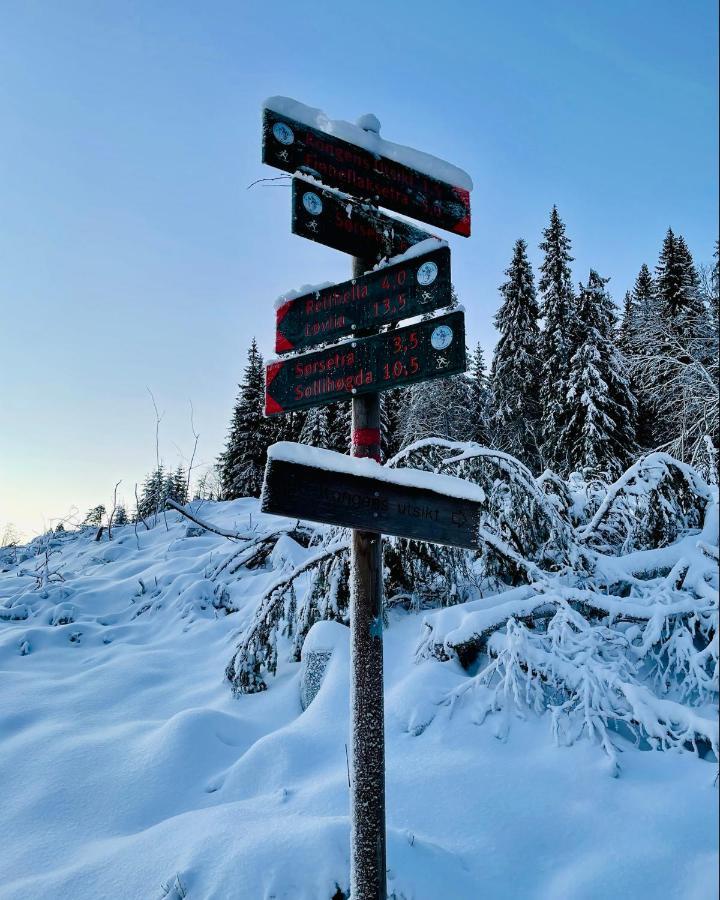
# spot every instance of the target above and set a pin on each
(130, 771)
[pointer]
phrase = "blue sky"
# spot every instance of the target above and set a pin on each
(132, 256)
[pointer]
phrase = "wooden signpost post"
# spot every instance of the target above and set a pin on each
(372, 361)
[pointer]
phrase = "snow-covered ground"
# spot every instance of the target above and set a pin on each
(129, 770)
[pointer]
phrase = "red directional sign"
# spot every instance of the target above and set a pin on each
(408, 288)
(400, 502)
(434, 348)
(293, 146)
(351, 226)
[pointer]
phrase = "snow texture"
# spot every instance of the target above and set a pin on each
(129, 770)
(371, 141)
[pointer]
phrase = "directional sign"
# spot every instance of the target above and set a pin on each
(351, 226)
(414, 286)
(373, 504)
(434, 348)
(292, 146)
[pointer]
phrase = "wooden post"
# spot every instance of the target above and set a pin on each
(367, 714)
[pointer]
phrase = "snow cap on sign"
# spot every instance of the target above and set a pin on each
(371, 141)
(318, 458)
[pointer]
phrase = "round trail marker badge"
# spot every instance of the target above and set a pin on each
(427, 273)
(283, 133)
(441, 337)
(312, 203)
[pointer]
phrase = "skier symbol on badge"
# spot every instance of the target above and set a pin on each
(427, 273)
(312, 203)
(441, 337)
(283, 133)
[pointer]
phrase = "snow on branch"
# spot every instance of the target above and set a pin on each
(607, 626)
(652, 502)
(208, 526)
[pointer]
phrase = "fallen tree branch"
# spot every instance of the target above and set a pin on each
(208, 526)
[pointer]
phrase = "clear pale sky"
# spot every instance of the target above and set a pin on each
(133, 257)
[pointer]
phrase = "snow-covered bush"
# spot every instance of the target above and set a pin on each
(593, 604)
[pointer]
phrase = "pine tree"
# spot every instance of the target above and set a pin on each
(438, 408)
(338, 425)
(168, 489)
(640, 319)
(94, 516)
(121, 516)
(627, 323)
(599, 437)
(677, 280)
(242, 463)
(714, 288)
(176, 486)
(328, 427)
(479, 389)
(392, 405)
(152, 498)
(557, 338)
(640, 307)
(315, 428)
(515, 371)
(287, 427)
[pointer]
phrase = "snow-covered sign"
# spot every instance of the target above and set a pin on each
(434, 348)
(349, 225)
(324, 486)
(356, 159)
(415, 285)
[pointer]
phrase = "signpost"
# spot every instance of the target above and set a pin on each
(348, 225)
(414, 286)
(343, 493)
(434, 348)
(386, 502)
(292, 146)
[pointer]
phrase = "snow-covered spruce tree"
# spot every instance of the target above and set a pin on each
(627, 320)
(338, 426)
(120, 517)
(557, 340)
(599, 437)
(175, 486)
(677, 281)
(640, 307)
(287, 427)
(152, 497)
(515, 373)
(674, 364)
(479, 397)
(314, 430)
(640, 316)
(327, 427)
(392, 405)
(713, 291)
(94, 516)
(438, 408)
(242, 463)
